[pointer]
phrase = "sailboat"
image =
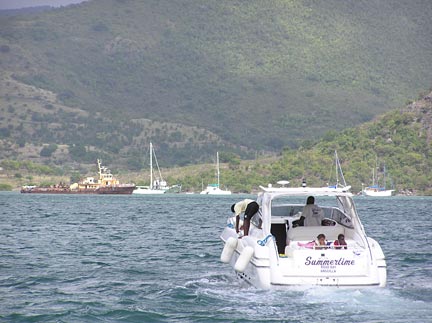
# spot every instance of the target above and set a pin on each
(339, 186)
(375, 189)
(214, 189)
(157, 184)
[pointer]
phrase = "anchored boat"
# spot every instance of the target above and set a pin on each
(214, 189)
(340, 184)
(280, 252)
(157, 184)
(105, 184)
(375, 189)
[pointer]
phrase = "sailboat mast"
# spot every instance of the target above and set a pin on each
(376, 172)
(337, 168)
(339, 171)
(217, 166)
(151, 166)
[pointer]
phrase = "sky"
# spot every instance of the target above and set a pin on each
(17, 4)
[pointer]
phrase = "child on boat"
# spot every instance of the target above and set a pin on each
(320, 243)
(340, 242)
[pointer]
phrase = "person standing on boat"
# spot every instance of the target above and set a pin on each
(249, 207)
(313, 214)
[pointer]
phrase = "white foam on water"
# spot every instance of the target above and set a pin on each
(303, 303)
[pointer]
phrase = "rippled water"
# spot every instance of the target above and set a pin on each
(156, 259)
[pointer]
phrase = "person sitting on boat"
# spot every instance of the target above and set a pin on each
(340, 242)
(313, 214)
(249, 207)
(321, 242)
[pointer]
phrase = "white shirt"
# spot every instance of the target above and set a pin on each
(313, 215)
(241, 206)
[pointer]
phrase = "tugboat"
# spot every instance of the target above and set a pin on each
(106, 184)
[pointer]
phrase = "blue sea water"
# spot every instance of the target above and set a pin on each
(66, 258)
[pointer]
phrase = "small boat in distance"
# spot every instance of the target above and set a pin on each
(339, 186)
(157, 185)
(105, 184)
(280, 252)
(375, 189)
(214, 189)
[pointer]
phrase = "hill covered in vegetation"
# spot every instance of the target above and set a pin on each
(400, 140)
(104, 78)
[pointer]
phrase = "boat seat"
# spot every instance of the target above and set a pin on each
(310, 233)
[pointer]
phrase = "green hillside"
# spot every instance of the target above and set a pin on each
(105, 77)
(400, 140)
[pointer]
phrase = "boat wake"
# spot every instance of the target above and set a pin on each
(233, 299)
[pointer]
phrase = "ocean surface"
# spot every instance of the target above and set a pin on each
(66, 258)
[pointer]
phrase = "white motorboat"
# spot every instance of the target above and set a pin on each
(278, 254)
(214, 189)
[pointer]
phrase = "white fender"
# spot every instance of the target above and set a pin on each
(244, 259)
(228, 250)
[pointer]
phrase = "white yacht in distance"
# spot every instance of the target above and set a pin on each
(214, 189)
(280, 252)
(375, 189)
(157, 184)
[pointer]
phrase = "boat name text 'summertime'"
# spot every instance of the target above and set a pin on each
(326, 262)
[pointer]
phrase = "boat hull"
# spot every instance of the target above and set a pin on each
(147, 191)
(214, 190)
(126, 190)
(340, 268)
(381, 193)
